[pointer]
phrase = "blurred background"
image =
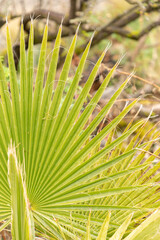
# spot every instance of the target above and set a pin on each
(128, 27)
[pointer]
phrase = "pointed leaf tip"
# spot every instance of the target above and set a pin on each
(104, 229)
(78, 28)
(91, 39)
(48, 18)
(120, 59)
(62, 21)
(22, 20)
(7, 20)
(106, 49)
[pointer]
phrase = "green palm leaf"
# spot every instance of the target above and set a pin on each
(66, 173)
(21, 215)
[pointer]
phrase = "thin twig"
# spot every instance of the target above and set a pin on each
(137, 77)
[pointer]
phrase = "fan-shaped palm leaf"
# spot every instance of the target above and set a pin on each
(54, 170)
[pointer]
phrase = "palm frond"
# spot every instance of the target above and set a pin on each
(66, 174)
(21, 221)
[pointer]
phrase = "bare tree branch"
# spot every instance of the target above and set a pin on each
(123, 20)
(127, 34)
(136, 2)
(131, 2)
(117, 25)
(73, 4)
(83, 5)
